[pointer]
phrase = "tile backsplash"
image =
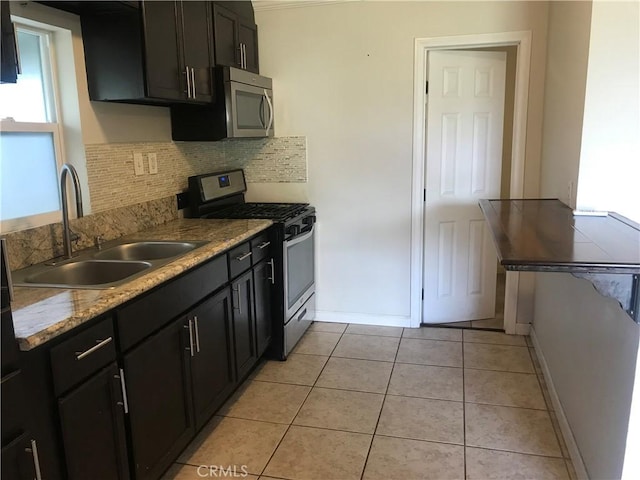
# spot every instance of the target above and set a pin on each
(113, 183)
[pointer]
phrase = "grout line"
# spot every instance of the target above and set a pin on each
(516, 451)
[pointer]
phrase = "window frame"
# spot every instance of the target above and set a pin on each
(53, 126)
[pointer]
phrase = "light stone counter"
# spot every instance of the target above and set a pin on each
(40, 314)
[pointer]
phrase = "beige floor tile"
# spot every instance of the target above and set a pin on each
(430, 352)
(497, 322)
(434, 333)
(329, 327)
(490, 464)
(317, 343)
(514, 429)
(503, 388)
(193, 472)
(265, 401)
(403, 459)
(297, 369)
(505, 358)
(556, 428)
(340, 410)
(317, 454)
(498, 338)
(444, 383)
(380, 331)
(422, 419)
(352, 374)
(243, 445)
(367, 347)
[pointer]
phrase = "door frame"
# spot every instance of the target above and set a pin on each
(522, 40)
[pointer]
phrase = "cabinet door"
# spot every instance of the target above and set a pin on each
(248, 36)
(212, 364)
(18, 461)
(225, 30)
(197, 41)
(158, 390)
(243, 321)
(166, 78)
(262, 275)
(92, 425)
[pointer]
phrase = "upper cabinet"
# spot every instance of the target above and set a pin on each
(236, 39)
(8, 54)
(149, 52)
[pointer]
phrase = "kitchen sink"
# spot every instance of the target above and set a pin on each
(87, 273)
(147, 250)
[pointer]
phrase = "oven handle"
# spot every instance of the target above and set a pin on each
(300, 238)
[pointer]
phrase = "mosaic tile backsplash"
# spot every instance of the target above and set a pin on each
(113, 183)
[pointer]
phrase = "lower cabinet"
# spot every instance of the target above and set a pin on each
(263, 280)
(212, 376)
(18, 460)
(243, 324)
(158, 389)
(93, 432)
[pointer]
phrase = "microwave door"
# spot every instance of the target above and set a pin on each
(247, 111)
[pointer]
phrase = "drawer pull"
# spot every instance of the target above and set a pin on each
(264, 245)
(36, 459)
(273, 272)
(190, 327)
(197, 332)
(100, 344)
(123, 387)
(243, 256)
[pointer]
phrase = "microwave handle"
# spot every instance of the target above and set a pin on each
(266, 96)
(261, 117)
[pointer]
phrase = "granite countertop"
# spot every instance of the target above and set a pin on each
(544, 235)
(40, 314)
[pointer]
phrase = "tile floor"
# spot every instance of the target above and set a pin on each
(365, 402)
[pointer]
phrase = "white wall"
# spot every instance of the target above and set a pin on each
(610, 157)
(343, 76)
(565, 83)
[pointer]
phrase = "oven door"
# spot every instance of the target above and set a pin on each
(249, 111)
(299, 270)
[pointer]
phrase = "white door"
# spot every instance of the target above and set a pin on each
(465, 110)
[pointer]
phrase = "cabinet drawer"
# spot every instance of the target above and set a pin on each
(239, 259)
(82, 355)
(260, 247)
(144, 316)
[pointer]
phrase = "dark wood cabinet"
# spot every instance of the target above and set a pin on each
(92, 427)
(8, 51)
(149, 52)
(263, 281)
(243, 324)
(212, 374)
(17, 458)
(235, 39)
(157, 378)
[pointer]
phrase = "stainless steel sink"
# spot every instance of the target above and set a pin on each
(87, 273)
(147, 250)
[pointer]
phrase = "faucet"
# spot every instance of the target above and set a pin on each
(66, 231)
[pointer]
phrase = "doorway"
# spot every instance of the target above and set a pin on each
(513, 164)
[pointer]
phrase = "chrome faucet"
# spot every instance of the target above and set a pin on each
(66, 231)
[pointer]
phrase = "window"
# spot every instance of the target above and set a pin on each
(30, 152)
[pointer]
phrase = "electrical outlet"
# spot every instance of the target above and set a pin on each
(153, 163)
(138, 164)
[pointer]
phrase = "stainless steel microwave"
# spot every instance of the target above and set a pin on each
(243, 108)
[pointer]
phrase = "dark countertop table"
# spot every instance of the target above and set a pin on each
(544, 235)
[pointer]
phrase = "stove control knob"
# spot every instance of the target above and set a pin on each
(293, 230)
(310, 220)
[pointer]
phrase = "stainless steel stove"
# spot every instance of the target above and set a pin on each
(221, 195)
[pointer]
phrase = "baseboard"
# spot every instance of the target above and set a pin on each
(570, 441)
(523, 328)
(363, 318)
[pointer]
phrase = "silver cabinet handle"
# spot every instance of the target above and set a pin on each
(197, 329)
(188, 82)
(244, 50)
(270, 112)
(239, 305)
(193, 82)
(36, 459)
(190, 327)
(241, 61)
(123, 387)
(243, 256)
(100, 344)
(264, 245)
(273, 272)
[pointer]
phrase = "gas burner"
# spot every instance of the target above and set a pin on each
(273, 211)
